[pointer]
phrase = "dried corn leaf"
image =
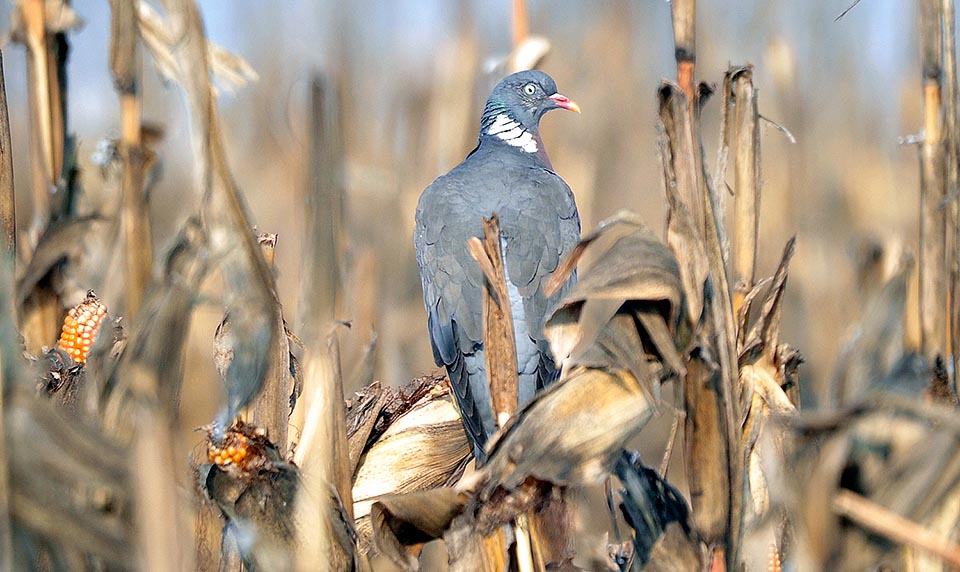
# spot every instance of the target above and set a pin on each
(72, 484)
(764, 337)
(156, 342)
(230, 71)
(248, 291)
(571, 433)
(402, 524)
(374, 408)
(59, 17)
(695, 235)
(65, 241)
(626, 306)
(877, 343)
(326, 524)
(422, 449)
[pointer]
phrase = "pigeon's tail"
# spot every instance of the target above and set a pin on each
(468, 378)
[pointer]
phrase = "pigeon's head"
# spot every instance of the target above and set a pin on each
(524, 97)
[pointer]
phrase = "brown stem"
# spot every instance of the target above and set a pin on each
(746, 184)
(933, 275)
(271, 407)
(321, 278)
(8, 215)
(952, 138)
(125, 65)
(6, 532)
(499, 346)
(46, 108)
(521, 23)
(323, 450)
(684, 35)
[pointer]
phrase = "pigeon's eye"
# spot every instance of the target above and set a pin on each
(529, 89)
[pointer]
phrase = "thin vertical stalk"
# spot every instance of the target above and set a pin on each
(154, 472)
(40, 314)
(521, 23)
(933, 275)
(8, 214)
(9, 375)
(499, 346)
(125, 65)
(6, 530)
(46, 107)
(684, 14)
(323, 456)
(323, 452)
(270, 409)
(952, 136)
(712, 425)
(321, 280)
(746, 185)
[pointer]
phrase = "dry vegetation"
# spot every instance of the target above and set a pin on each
(289, 475)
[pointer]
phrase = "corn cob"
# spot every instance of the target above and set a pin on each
(243, 446)
(81, 326)
(774, 559)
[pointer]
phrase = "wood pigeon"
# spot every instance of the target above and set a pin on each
(508, 173)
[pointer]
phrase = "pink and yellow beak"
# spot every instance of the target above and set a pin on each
(565, 102)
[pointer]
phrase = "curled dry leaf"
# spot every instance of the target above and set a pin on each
(402, 524)
(765, 375)
(632, 276)
(615, 334)
(571, 433)
(64, 241)
(156, 342)
(421, 448)
(59, 17)
(248, 282)
(230, 71)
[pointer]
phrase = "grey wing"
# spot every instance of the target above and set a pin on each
(452, 294)
(542, 231)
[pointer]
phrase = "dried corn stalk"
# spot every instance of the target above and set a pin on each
(711, 424)
(41, 25)
(766, 373)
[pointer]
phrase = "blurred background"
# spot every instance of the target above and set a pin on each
(412, 76)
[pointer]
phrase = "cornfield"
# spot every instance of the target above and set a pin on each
(212, 363)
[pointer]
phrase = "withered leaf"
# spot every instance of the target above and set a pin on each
(401, 524)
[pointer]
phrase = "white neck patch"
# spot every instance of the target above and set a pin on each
(509, 130)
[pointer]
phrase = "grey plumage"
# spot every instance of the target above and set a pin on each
(508, 174)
